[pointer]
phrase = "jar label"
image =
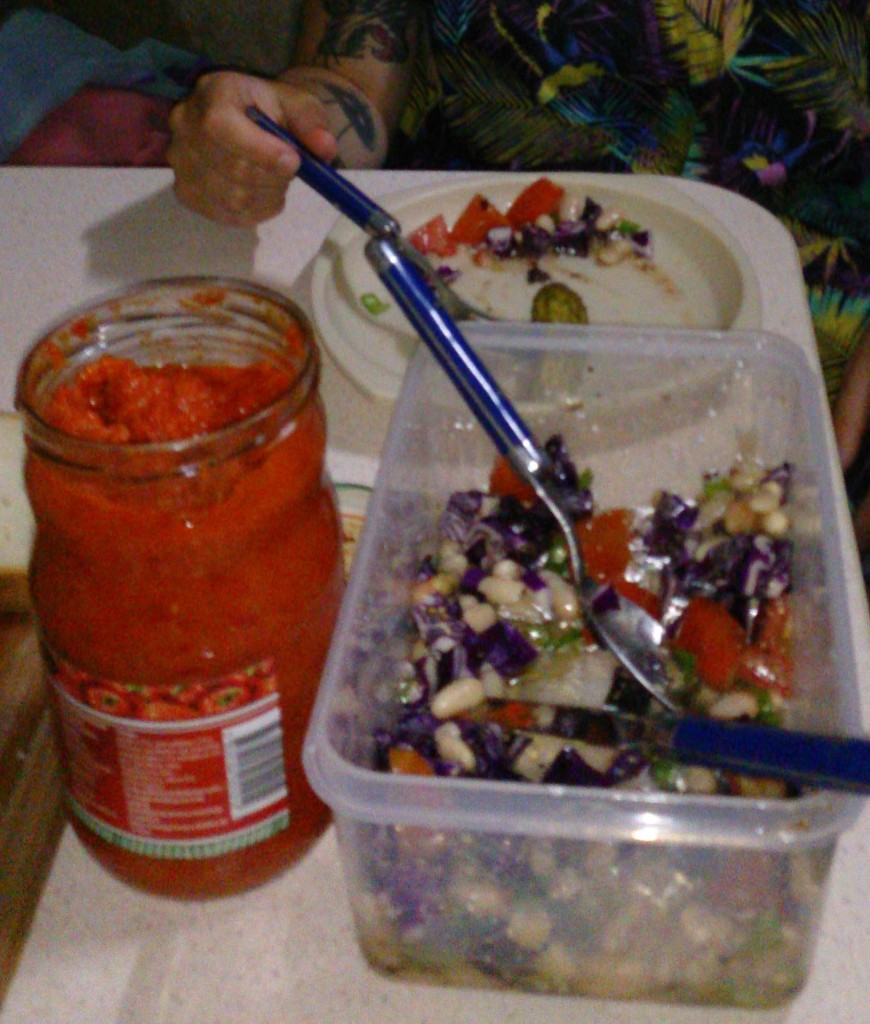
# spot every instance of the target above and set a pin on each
(186, 772)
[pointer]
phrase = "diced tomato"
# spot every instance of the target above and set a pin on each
(640, 595)
(775, 630)
(604, 542)
(767, 663)
(433, 237)
(504, 481)
(766, 669)
(514, 714)
(476, 220)
(405, 761)
(539, 198)
(715, 638)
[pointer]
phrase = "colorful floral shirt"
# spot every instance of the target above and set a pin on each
(765, 97)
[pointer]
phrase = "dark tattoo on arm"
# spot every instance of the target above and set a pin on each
(356, 111)
(368, 28)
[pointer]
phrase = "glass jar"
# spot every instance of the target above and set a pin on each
(185, 592)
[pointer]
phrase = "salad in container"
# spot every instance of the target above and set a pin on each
(490, 836)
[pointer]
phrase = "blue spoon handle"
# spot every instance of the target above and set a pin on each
(334, 188)
(806, 759)
(461, 364)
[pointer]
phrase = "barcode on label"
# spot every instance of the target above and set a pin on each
(254, 757)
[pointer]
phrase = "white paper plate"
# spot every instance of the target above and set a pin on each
(700, 279)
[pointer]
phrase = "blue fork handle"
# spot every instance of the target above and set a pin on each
(457, 358)
(327, 183)
(805, 759)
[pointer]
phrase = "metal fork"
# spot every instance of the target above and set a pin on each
(368, 215)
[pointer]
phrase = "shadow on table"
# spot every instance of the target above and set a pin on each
(157, 237)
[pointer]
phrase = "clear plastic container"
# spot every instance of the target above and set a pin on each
(605, 893)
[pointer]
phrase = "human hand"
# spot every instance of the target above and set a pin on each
(851, 416)
(228, 169)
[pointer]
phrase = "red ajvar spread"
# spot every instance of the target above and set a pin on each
(120, 402)
(172, 580)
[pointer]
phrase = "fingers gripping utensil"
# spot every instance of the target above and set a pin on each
(366, 214)
(631, 634)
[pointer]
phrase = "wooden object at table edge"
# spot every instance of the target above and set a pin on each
(31, 801)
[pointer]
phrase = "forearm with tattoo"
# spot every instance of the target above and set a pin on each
(372, 28)
(356, 58)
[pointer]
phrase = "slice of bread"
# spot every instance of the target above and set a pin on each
(16, 519)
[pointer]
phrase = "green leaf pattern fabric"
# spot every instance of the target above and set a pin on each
(769, 98)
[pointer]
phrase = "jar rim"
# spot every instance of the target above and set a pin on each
(86, 333)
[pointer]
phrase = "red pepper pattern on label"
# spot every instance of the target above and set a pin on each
(185, 771)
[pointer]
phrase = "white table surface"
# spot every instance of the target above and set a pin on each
(100, 952)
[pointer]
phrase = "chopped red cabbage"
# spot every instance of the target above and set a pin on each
(460, 515)
(503, 647)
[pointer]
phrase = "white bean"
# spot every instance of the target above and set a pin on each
(776, 524)
(702, 927)
(480, 616)
(462, 694)
(615, 251)
(706, 546)
(712, 510)
(739, 517)
(493, 685)
(570, 206)
(507, 569)
(744, 477)
(501, 591)
(759, 788)
(737, 704)
(608, 219)
(763, 501)
(452, 559)
(452, 747)
(565, 604)
(699, 780)
(478, 897)
(440, 583)
(772, 487)
(529, 927)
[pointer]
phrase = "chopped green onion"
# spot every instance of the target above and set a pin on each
(373, 304)
(768, 712)
(557, 557)
(715, 486)
(555, 638)
(665, 773)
